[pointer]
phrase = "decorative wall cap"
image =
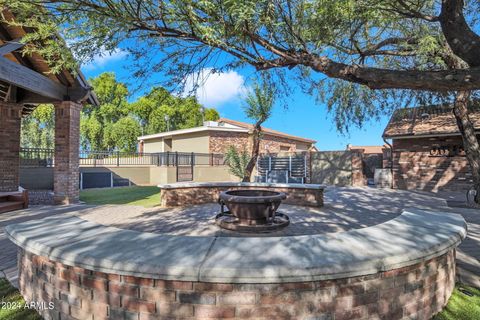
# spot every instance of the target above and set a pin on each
(410, 238)
(181, 185)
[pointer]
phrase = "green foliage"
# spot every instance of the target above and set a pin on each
(237, 161)
(462, 306)
(182, 113)
(182, 37)
(97, 123)
(9, 294)
(211, 114)
(124, 134)
(38, 128)
(116, 123)
(259, 102)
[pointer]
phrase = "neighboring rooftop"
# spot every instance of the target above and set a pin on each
(224, 125)
(265, 130)
(427, 121)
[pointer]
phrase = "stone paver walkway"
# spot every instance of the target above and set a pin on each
(345, 208)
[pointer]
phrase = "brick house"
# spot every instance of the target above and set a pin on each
(217, 136)
(428, 150)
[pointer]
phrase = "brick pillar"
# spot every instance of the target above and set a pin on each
(67, 144)
(357, 169)
(10, 120)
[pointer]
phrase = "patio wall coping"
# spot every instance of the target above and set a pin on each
(179, 185)
(412, 237)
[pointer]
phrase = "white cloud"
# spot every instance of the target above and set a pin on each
(104, 57)
(215, 88)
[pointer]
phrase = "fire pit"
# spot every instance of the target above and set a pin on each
(251, 211)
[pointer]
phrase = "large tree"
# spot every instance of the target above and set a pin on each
(361, 56)
(159, 111)
(38, 128)
(97, 122)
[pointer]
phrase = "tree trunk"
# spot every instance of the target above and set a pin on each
(470, 141)
(255, 151)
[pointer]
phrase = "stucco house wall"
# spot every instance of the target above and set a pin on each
(153, 145)
(192, 142)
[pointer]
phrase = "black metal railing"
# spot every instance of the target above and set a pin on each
(35, 157)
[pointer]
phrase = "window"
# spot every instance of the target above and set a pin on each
(285, 148)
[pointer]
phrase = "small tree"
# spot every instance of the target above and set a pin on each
(237, 161)
(258, 107)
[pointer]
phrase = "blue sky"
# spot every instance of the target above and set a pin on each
(304, 116)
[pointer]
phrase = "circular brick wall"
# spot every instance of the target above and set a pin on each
(418, 291)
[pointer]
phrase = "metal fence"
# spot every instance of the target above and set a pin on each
(35, 157)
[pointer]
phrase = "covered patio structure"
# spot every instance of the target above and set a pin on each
(25, 82)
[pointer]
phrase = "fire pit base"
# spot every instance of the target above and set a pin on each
(227, 221)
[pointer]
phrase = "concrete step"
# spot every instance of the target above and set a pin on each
(10, 206)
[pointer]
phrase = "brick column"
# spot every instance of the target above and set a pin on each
(357, 169)
(67, 144)
(10, 120)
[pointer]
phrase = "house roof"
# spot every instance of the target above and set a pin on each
(427, 121)
(223, 125)
(265, 130)
(207, 127)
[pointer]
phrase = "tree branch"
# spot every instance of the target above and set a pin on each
(464, 42)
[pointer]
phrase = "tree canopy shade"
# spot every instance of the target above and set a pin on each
(341, 49)
(377, 43)
(369, 44)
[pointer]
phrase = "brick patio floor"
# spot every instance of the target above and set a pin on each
(345, 208)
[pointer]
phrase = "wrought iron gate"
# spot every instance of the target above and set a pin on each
(184, 173)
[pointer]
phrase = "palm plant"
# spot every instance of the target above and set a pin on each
(258, 107)
(237, 161)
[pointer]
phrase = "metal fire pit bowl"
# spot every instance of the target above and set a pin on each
(251, 211)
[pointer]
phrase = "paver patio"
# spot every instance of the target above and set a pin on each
(345, 208)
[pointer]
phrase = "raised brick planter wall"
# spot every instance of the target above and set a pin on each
(182, 196)
(418, 291)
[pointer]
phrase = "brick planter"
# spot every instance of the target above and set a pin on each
(418, 291)
(186, 194)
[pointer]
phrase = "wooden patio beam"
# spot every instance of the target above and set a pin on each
(10, 46)
(25, 78)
